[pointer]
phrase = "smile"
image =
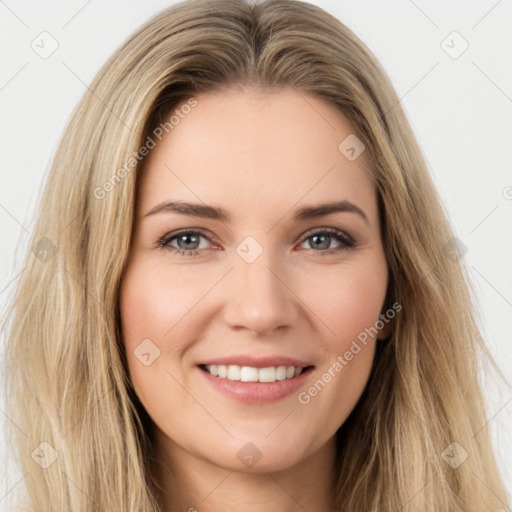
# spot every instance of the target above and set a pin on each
(251, 374)
(254, 385)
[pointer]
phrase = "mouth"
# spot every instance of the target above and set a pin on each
(267, 374)
(255, 385)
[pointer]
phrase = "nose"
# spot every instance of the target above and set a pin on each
(259, 297)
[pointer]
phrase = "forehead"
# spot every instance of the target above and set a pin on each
(250, 149)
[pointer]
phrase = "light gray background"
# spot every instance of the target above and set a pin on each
(460, 109)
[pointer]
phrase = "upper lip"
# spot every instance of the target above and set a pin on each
(256, 362)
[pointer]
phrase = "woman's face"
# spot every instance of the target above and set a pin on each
(248, 277)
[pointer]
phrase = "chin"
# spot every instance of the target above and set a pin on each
(259, 454)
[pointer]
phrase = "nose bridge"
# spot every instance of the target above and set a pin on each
(259, 300)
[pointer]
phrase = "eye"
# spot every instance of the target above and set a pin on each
(188, 242)
(322, 238)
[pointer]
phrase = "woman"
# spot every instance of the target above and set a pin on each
(300, 355)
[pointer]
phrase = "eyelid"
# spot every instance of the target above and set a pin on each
(165, 239)
(328, 230)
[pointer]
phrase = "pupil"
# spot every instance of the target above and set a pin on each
(184, 238)
(325, 242)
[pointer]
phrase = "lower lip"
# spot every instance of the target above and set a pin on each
(257, 392)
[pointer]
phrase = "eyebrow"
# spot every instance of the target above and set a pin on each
(215, 213)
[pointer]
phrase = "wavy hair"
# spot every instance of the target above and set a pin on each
(67, 381)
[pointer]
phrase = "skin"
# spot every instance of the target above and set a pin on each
(259, 156)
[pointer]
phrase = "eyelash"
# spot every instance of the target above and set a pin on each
(346, 241)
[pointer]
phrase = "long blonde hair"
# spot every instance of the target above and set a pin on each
(68, 383)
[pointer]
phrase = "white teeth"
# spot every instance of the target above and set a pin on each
(281, 372)
(233, 372)
(250, 374)
(267, 374)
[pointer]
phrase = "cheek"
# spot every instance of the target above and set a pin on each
(153, 301)
(158, 305)
(348, 303)
(150, 308)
